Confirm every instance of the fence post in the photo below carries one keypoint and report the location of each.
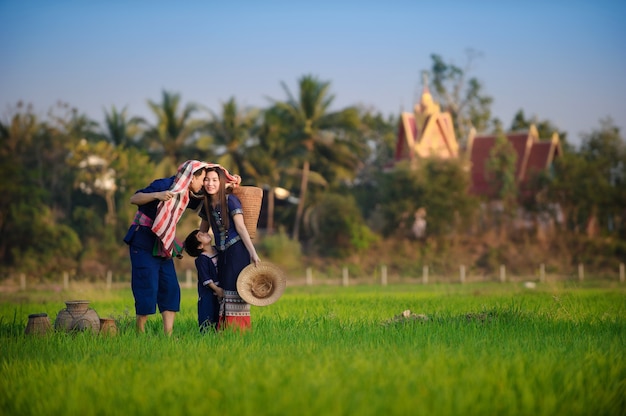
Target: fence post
(309, 276)
(383, 275)
(581, 272)
(462, 273)
(66, 281)
(425, 274)
(345, 276)
(22, 281)
(502, 273)
(109, 279)
(188, 278)
(542, 273)
(621, 273)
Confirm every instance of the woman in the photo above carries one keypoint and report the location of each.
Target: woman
(152, 242)
(224, 214)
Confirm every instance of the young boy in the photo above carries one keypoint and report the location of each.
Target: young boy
(199, 245)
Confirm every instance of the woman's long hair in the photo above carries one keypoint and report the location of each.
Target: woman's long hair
(221, 198)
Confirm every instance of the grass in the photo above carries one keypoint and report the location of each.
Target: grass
(479, 349)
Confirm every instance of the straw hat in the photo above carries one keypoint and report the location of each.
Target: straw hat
(261, 285)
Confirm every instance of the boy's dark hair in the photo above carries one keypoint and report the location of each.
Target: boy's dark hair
(191, 244)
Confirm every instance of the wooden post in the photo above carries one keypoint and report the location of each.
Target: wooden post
(502, 273)
(425, 274)
(66, 281)
(581, 272)
(462, 273)
(309, 276)
(188, 276)
(22, 281)
(383, 275)
(621, 273)
(109, 279)
(542, 273)
(345, 277)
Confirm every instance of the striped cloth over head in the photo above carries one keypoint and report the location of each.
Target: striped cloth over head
(234, 179)
(169, 212)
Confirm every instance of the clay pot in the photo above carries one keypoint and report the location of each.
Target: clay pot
(38, 324)
(108, 327)
(77, 316)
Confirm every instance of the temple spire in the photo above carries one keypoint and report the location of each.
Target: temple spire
(425, 88)
(426, 106)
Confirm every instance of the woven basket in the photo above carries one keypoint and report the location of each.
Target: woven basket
(251, 198)
(38, 324)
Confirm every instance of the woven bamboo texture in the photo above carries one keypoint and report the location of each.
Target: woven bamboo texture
(251, 198)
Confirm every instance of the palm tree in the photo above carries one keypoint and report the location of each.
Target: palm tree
(268, 162)
(233, 130)
(174, 127)
(314, 128)
(119, 129)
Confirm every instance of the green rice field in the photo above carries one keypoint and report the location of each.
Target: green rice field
(472, 349)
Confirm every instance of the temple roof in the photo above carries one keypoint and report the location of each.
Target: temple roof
(427, 132)
(532, 155)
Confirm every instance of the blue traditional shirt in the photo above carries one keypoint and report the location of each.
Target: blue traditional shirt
(224, 238)
(142, 236)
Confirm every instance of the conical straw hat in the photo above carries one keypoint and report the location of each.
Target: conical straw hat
(261, 285)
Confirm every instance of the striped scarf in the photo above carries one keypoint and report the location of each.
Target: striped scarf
(234, 179)
(169, 212)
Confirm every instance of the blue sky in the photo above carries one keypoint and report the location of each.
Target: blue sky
(564, 61)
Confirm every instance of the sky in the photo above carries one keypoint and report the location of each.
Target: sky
(557, 60)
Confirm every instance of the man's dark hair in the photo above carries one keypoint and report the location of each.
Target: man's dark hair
(192, 244)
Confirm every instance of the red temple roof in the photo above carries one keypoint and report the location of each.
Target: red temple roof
(532, 156)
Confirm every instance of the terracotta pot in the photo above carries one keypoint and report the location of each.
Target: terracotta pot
(108, 327)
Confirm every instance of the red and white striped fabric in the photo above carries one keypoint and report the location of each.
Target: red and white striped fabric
(234, 179)
(169, 212)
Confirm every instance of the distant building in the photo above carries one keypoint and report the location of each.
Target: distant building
(427, 132)
(532, 156)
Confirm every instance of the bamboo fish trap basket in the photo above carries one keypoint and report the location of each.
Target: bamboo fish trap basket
(251, 198)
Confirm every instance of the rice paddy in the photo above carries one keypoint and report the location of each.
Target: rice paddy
(452, 349)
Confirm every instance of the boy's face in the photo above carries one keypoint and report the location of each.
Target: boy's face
(204, 238)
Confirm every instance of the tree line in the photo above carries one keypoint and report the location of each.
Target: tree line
(68, 179)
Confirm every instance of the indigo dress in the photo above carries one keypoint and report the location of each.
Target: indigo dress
(233, 256)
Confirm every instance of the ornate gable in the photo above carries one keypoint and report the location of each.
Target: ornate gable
(541, 156)
(427, 132)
